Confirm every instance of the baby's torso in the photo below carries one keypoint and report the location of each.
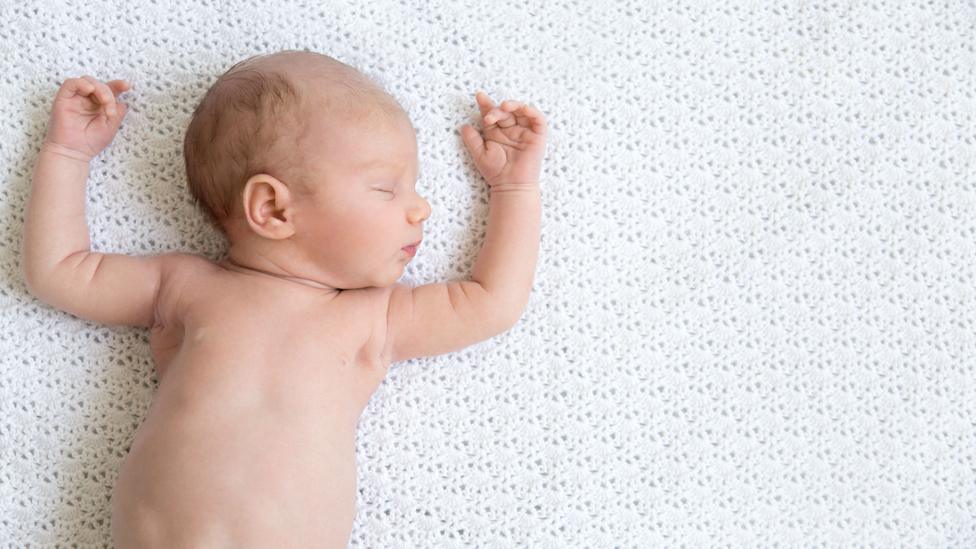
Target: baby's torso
(250, 438)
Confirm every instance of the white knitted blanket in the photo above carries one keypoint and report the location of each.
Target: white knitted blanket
(753, 317)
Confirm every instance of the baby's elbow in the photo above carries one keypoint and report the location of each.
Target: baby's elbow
(510, 319)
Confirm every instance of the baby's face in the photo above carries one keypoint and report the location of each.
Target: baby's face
(365, 208)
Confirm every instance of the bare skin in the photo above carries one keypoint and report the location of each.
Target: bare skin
(266, 359)
(251, 434)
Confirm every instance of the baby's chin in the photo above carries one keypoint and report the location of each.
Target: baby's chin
(394, 276)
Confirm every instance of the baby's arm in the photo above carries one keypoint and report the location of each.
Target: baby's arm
(58, 266)
(439, 318)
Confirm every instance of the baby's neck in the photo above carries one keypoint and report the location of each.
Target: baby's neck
(230, 264)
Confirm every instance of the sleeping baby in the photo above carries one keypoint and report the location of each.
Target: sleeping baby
(266, 359)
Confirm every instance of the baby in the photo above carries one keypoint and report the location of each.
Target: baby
(266, 359)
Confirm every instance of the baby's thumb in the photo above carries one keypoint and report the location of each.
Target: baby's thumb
(472, 140)
(120, 111)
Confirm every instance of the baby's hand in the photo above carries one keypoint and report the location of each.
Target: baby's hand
(513, 144)
(85, 115)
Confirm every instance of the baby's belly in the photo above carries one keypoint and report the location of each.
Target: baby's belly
(217, 468)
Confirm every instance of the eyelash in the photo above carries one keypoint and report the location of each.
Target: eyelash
(385, 191)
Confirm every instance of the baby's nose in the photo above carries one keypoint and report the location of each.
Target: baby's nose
(417, 215)
(423, 211)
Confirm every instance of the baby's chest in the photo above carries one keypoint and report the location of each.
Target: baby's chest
(264, 371)
(213, 322)
(290, 351)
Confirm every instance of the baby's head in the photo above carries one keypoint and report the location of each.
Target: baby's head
(303, 160)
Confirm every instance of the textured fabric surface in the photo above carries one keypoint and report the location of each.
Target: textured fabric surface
(753, 316)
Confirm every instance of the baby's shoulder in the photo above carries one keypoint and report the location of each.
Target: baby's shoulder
(187, 260)
(376, 302)
(182, 267)
(182, 272)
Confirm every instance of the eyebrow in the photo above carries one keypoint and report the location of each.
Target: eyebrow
(366, 166)
(370, 165)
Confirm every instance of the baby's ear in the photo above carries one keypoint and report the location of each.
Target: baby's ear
(268, 207)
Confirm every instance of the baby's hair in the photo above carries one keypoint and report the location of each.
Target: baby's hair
(254, 118)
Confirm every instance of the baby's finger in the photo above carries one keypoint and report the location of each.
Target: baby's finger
(472, 140)
(537, 122)
(75, 86)
(496, 115)
(510, 105)
(485, 104)
(103, 95)
(119, 86)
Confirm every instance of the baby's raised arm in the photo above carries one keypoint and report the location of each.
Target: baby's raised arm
(439, 318)
(58, 266)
